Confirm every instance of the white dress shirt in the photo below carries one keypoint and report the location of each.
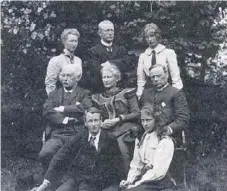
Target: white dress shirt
(96, 141)
(164, 56)
(152, 151)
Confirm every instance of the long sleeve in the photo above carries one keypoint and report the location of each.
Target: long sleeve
(181, 112)
(174, 69)
(136, 165)
(141, 76)
(81, 106)
(162, 159)
(133, 105)
(53, 71)
(52, 116)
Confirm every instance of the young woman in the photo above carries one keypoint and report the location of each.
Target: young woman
(156, 53)
(119, 106)
(151, 159)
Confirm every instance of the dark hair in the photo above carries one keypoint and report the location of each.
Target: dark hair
(93, 110)
(148, 109)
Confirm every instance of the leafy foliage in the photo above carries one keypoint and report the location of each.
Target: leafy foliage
(31, 36)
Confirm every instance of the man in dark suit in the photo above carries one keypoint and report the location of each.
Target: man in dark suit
(95, 158)
(63, 112)
(170, 104)
(104, 51)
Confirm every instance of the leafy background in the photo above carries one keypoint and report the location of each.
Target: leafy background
(196, 30)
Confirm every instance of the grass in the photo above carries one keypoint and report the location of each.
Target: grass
(205, 174)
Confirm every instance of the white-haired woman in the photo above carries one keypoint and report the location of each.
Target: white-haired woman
(69, 38)
(156, 53)
(120, 108)
(152, 157)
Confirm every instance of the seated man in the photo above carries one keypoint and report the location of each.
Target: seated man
(152, 157)
(169, 103)
(63, 111)
(95, 159)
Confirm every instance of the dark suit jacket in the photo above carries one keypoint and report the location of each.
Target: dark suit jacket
(79, 101)
(170, 106)
(103, 167)
(99, 54)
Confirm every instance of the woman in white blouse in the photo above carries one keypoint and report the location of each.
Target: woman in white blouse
(151, 159)
(156, 53)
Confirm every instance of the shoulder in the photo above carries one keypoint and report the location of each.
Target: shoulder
(57, 58)
(167, 51)
(77, 59)
(82, 90)
(129, 92)
(95, 48)
(166, 142)
(172, 90)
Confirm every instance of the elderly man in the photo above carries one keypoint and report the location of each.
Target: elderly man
(95, 159)
(104, 51)
(63, 112)
(69, 38)
(170, 104)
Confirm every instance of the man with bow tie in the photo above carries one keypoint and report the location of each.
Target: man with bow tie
(69, 38)
(95, 158)
(104, 51)
(63, 112)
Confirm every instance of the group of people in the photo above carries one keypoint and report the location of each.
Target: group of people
(112, 137)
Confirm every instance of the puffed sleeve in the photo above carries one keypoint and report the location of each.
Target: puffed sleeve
(53, 71)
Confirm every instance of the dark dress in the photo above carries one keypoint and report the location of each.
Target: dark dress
(121, 102)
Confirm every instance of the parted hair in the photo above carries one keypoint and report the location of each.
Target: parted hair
(66, 32)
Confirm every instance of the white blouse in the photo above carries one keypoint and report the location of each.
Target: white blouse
(164, 56)
(155, 152)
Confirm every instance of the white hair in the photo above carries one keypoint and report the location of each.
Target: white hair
(111, 67)
(104, 23)
(75, 68)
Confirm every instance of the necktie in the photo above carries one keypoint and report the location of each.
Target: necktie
(92, 142)
(71, 58)
(66, 97)
(109, 48)
(153, 60)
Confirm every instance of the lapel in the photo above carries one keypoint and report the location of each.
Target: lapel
(102, 141)
(60, 95)
(74, 94)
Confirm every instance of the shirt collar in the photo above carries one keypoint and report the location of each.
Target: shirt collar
(157, 49)
(162, 88)
(67, 53)
(68, 90)
(106, 44)
(96, 136)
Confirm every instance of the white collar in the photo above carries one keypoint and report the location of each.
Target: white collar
(157, 49)
(67, 53)
(162, 88)
(96, 136)
(106, 44)
(68, 90)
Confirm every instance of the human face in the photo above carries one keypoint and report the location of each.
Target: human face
(93, 122)
(158, 77)
(71, 42)
(151, 39)
(148, 122)
(108, 79)
(107, 33)
(69, 78)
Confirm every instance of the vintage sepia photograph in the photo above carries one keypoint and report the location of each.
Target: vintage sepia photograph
(113, 95)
